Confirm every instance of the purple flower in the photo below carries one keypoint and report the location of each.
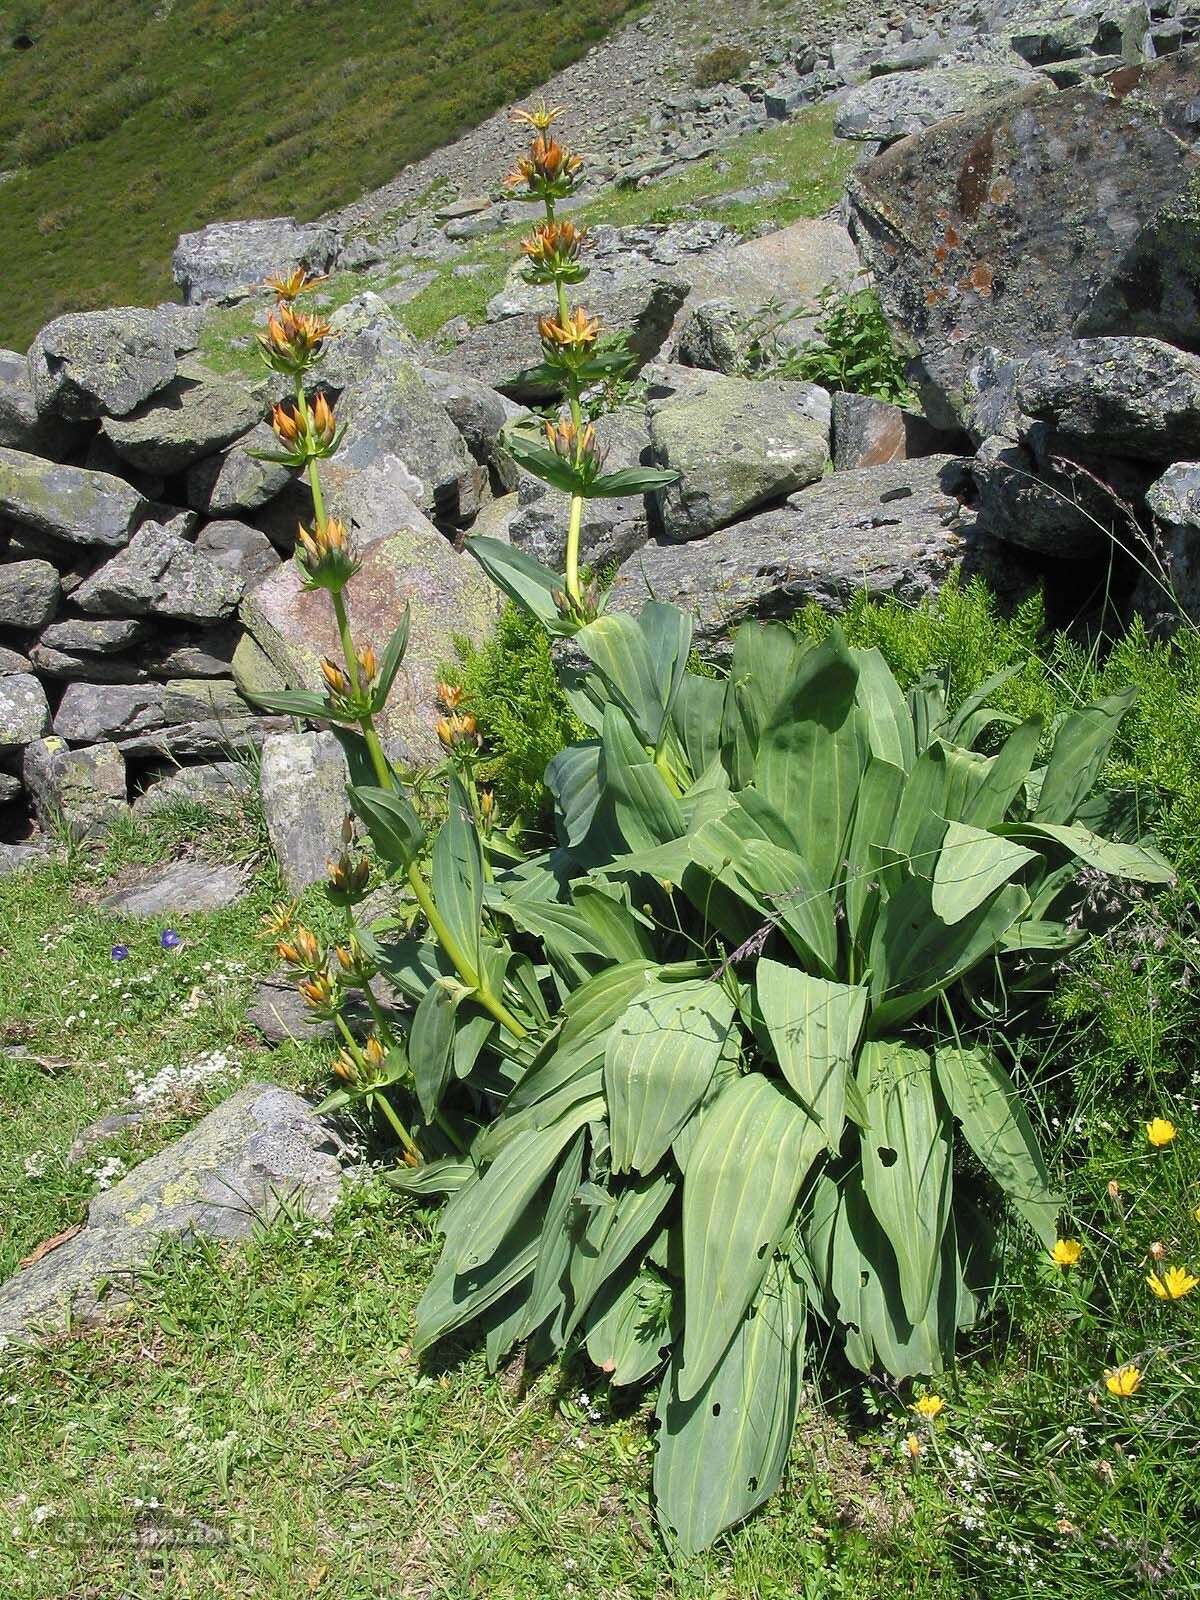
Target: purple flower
(169, 939)
(119, 952)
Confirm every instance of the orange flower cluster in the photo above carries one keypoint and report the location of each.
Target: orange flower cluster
(577, 333)
(292, 339)
(574, 444)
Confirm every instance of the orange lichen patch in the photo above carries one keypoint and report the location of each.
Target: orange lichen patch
(952, 236)
(1001, 190)
(981, 279)
(934, 296)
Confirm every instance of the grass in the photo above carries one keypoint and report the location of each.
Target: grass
(127, 125)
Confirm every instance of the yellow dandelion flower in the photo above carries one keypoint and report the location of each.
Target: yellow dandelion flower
(1160, 1132)
(1066, 1252)
(1172, 1284)
(1123, 1381)
(929, 1406)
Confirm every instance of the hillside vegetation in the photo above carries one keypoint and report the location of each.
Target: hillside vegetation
(123, 123)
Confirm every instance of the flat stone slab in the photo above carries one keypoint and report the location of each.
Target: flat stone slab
(179, 888)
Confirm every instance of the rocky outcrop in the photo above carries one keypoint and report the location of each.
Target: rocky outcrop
(92, 364)
(227, 260)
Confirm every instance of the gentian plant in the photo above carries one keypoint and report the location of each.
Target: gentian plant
(700, 1082)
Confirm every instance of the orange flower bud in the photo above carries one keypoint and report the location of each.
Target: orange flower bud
(323, 422)
(578, 332)
(368, 665)
(286, 424)
(539, 116)
(335, 678)
(449, 695)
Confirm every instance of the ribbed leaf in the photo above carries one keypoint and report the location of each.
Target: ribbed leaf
(660, 1059)
(452, 1298)
(889, 719)
(431, 1042)
(697, 717)
(391, 659)
(814, 1027)
(435, 1177)
(984, 1099)
(523, 579)
(1080, 750)
(812, 753)
(394, 826)
(457, 873)
(1005, 778)
(723, 1451)
(1120, 860)
(870, 834)
(972, 865)
(906, 1164)
(645, 811)
(752, 1152)
(765, 657)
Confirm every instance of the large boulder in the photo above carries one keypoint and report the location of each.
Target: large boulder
(236, 479)
(24, 710)
(68, 502)
(181, 424)
(404, 560)
(304, 801)
(1053, 216)
(91, 364)
(21, 427)
(28, 593)
(612, 528)
(1170, 587)
(899, 529)
(892, 107)
(736, 444)
(1045, 502)
(178, 888)
(1134, 397)
(477, 411)
(89, 712)
(244, 552)
(1046, 32)
(786, 269)
(84, 790)
(226, 260)
(868, 433)
(162, 572)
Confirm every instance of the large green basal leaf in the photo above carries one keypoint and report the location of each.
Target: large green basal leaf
(620, 653)
(984, 1099)
(814, 1027)
(643, 807)
(660, 1059)
(697, 718)
(812, 753)
(722, 1452)
(611, 1236)
(889, 718)
(457, 873)
(972, 865)
(431, 1043)
(523, 579)
(1080, 750)
(753, 1150)
(1005, 778)
(765, 657)
(906, 1164)
(875, 812)
(1118, 859)
(630, 1326)
(453, 1298)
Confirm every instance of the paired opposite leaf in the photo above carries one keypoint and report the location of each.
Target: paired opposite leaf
(659, 1061)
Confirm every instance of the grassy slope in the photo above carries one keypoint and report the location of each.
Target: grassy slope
(132, 122)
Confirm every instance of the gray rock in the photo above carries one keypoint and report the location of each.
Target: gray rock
(893, 107)
(468, 206)
(177, 889)
(209, 737)
(199, 699)
(100, 1131)
(304, 799)
(244, 552)
(736, 444)
(896, 530)
(499, 353)
(980, 232)
(715, 336)
(280, 1014)
(187, 420)
(28, 594)
(162, 572)
(612, 528)
(84, 790)
(78, 666)
(260, 1151)
(93, 636)
(91, 711)
(234, 480)
(1064, 511)
(24, 710)
(1048, 33)
(495, 519)
(404, 559)
(21, 428)
(252, 670)
(12, 661)
(1174, 502)
(479, 413)
(212, 783)
(1134, 397)
(17, 858)
(227, 259)
(68, 502)
(199, 653)
(91, 364)
(10, 788)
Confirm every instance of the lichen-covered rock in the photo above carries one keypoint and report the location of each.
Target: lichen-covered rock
(235, 479)
(75, 1284)
(714, 336)
(1044, 504)
(892, 107)
(91, 364)
(16, 858)
(239, 549)
(404, 559)
(210, 783)
(612, 528)
(24, 710)
(21, 428)
(1050, 216)
(304, 800)
(84, 789)
(736, 444)
(1049, 31)
(1133, 397)
(28, 594)
(68, 502)
(162, 573)
(91, 711)
(228, 259)
(12, 661)
(95, 636)
(1169, 586)
(208, 737)
(181, 424)
(898, 529)
(478, 412)
(178, 889)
